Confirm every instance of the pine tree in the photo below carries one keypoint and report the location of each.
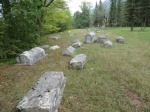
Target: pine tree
(143, 12)
(112, 13)
(131, 12)
(96, 15)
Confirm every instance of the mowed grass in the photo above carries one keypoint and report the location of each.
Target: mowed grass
(114, 79)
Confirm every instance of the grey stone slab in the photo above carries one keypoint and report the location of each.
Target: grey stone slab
(31, 57)
(78, 61)
(90, 38)
(68, 51)
(46, 95)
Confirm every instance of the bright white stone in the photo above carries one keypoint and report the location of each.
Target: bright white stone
(54, 47)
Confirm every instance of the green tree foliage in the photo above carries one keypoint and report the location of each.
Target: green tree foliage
(112, 13)
(99, 14)
(77, 19)
(131, 12)
(82, 20)
(21, 31)
(143, 7)
(58, 17)
(120, 13)
(138, 13)
(23, 20)
(96, 16)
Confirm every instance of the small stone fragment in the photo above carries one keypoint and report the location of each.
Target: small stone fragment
(54, 47)
(55, 37)
(108, 44)
(77, 44)
(120, 39)
(68, 51)
(45, 47)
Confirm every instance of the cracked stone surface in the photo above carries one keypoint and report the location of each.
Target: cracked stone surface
(46, 95)
(90, 38)
(31, 57)
(68, 51)
(78, 61)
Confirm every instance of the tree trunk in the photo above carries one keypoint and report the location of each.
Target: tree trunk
(132, 25)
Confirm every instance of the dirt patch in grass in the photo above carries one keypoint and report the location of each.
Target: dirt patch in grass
(135, 100)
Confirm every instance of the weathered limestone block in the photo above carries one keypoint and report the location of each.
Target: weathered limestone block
(46, 95)
(101, 39)
(90, 38)
(68, 51)
(77, 44)
(120, 39)
(78, 61)
(54, 47)
(45, 47)
(32, 56)
(108, 44)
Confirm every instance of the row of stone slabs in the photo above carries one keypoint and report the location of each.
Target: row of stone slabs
(46, 95)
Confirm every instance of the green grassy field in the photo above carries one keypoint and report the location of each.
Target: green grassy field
(114, 79)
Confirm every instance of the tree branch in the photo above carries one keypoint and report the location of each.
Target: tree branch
(49, 3)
